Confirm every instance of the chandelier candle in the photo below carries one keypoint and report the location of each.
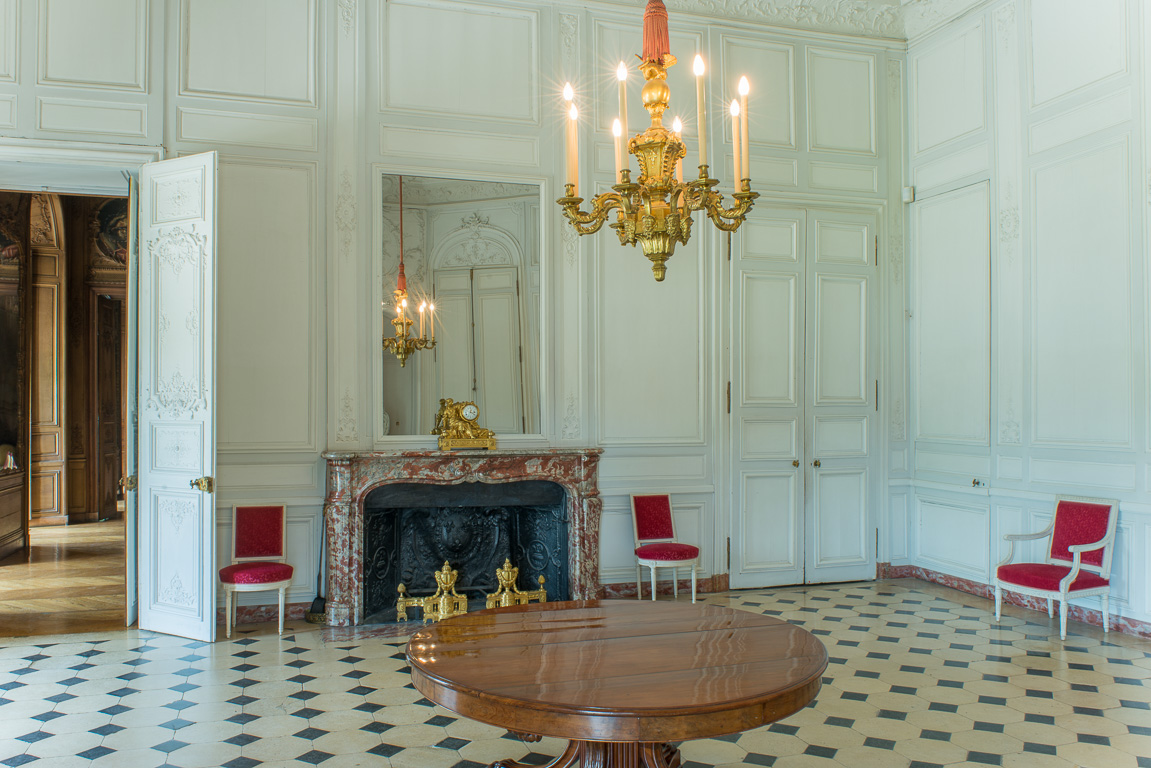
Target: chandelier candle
(621, 73)
(403, 344)
(744, 153)
(655, 210)
(617, 132)
(700, 108)
(736, 144)
(677, 129)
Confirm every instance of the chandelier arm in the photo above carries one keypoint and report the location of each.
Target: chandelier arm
(729, 219)
(590, 222)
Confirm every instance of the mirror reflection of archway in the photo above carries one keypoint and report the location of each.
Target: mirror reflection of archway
(473, 248)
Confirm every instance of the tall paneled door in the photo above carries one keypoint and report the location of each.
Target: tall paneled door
(803, 397)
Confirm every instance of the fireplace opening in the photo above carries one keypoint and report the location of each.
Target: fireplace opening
(411, 529)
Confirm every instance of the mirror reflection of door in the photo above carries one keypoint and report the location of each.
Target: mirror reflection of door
(472, 248)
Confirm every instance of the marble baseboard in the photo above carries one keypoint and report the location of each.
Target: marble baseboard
(252, 614)
(706, 584)
(1077, 612)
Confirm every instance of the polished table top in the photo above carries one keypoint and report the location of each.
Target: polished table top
(618, 670)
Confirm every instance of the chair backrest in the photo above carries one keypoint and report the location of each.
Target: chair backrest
(651, 518)
(1081, 520)
(258, 533)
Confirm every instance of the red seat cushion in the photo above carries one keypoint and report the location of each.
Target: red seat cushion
(259, 572)
(667, 551)
(1047, 576)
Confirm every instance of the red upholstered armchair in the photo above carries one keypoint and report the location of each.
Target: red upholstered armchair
(656, 545)
(257, 558)
(1078, 563)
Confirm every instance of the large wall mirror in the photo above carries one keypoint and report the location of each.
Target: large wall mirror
(473, 248)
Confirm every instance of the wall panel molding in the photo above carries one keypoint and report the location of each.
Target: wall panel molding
(102, 45)
(953, 537)
(9, 40)
(269, 131)
(841, 102)
(99, 118)
(273, 45)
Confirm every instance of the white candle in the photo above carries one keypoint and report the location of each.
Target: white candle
(573, 149)
(570, 138)
(617, 132)
(621, 73)
(701, 108)
(735, 143)
(432, 319)
(423, 306)
(744, 153)
(677, 128)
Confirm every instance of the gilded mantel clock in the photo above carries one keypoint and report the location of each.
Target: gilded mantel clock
(457, 428)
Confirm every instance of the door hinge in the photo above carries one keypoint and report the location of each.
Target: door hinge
(876, 250)
(729, 246)
(729, 554)
(876, 543)
(729, 397)
(877, 395)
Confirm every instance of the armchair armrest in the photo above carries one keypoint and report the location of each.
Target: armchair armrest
(1077, 548)
(1011, 538)
(1026, 536)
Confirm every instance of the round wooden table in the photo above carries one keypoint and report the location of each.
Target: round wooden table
(619, 679)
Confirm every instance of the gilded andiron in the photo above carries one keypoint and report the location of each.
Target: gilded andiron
(655, 211)
(444, 603)
(509, 594)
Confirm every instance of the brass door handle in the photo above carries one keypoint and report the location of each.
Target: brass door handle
(816, 463)
(795, 463)
(128, 483)
(205, 484)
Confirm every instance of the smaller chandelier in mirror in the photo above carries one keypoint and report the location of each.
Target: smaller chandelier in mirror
(402, 344)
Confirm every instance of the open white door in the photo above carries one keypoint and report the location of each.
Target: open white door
(176, 356)
(131, 592)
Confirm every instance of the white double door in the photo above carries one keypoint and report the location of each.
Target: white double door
(803, 398)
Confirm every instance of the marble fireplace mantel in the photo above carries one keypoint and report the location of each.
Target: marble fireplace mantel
(352, 476)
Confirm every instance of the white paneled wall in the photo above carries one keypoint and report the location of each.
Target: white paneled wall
(1029, 293)
(309, 101)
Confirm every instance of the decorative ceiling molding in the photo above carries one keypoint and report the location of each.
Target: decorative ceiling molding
(423, 190)
(870, 18)
(921, 17)
(891, 19)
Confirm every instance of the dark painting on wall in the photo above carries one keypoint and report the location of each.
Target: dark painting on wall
(110, 227)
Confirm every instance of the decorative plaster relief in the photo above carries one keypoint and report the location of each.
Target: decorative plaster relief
(571, 427)
(920, 17)
(1010, 431)
(347, 16)
(177, 248)
(177, 396)
(569, 38)
(180, 198)
(346, 213)
(176, 448)
(872, 18)
(175, 594)
(43, 226)
(176, 510)
(346, 431)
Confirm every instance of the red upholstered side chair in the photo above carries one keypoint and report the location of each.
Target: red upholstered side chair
(656, 545)
(1078, 563)
(258, 535)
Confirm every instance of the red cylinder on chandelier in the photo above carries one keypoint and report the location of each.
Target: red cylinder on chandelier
(656, 40)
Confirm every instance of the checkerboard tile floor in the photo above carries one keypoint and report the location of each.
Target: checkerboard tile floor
(920, 676)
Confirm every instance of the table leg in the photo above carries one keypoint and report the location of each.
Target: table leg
(609, 754)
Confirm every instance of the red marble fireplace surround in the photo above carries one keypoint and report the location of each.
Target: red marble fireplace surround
(351, 476)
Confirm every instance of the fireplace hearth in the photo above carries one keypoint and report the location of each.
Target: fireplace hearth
(504, 503)
(411, 530)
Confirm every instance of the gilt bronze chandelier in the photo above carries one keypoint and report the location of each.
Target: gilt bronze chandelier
(655, 211)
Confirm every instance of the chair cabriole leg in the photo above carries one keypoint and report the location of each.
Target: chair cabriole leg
(675, 581)
(282, 590)
(653, 583)
(1050, 610)
(228, 613)
(693, 566)
(998, 601)
(1063, 618)
(638, 582)
(1106, 614)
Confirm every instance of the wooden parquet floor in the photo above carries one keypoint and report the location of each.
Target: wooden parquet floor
(72, 581)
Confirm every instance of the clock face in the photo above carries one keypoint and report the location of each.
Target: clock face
(470, 411)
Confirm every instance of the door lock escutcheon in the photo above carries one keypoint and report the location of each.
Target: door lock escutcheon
(795, 462)
(205, 484)
(817, 463)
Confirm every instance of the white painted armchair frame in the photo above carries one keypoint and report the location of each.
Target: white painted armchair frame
(1064, 593)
